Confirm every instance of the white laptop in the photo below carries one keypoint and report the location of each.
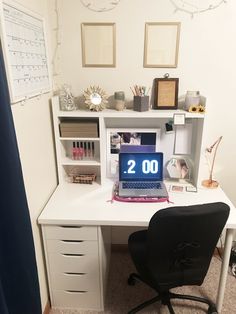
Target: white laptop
(141, 175)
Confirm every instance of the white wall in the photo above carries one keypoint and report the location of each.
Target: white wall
(206, 62)
(35, 141)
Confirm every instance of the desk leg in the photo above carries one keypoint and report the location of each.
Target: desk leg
(224, 268)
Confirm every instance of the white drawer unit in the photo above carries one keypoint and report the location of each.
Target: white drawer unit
(75, 274)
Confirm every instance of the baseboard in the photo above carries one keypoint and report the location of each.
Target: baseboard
(47, 308)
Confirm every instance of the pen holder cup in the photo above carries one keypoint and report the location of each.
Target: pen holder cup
(141, 103)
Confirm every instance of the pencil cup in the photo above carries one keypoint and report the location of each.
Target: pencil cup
(141, 103)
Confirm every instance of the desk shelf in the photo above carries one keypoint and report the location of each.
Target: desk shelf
(112, 119)
(128, 113)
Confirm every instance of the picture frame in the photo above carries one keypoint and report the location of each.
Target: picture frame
(161, 45)
(166, 93)
(98, 41)
(149, 139)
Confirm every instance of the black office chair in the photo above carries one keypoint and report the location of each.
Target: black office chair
(176, 250)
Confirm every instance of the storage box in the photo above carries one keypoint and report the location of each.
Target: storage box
(141, 103)
(79, 128)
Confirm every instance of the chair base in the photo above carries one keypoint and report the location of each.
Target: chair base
(165, 298)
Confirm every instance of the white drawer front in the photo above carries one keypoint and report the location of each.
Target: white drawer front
(70, 232)
(73, 263)
(78, 282)
(76, 299)
(72, 246)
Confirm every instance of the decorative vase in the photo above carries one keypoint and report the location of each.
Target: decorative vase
(66, 99)
(119, 100)
(192, 99)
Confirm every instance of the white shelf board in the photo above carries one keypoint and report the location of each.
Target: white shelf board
(90, 139)
(85, 162)
(128, 113)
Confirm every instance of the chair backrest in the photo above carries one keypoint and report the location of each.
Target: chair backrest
(181, 242)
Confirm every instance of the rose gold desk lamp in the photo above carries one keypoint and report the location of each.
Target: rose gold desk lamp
(210, 183)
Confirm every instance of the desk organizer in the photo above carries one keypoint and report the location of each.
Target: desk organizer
(83, 178)
(141, 103)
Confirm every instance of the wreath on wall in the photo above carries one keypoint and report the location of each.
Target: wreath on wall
(100, 5)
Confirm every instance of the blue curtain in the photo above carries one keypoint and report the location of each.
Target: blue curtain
(19, 287)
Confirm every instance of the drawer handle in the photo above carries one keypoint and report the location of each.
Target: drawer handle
(75, 291)
(71, 241)
(73, 227)
(75, 274)
(67, 254)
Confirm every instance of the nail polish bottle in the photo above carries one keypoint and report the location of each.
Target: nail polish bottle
(93, 152)
(89, 150)
(77, 151)
(85, 149)
(74, 151)
(81, 151)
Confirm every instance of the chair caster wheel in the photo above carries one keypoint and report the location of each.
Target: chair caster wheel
(131, 281)
(212, 310)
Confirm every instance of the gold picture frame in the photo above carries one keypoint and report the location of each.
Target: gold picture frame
(98, 44)
(161, 45)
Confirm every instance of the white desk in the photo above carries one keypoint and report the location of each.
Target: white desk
(91, 206)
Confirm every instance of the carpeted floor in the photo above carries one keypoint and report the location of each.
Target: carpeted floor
(121, 297)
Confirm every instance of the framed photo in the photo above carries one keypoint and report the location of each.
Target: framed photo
(161, 45)
(128, 140)
(98, 44)
(166, 93)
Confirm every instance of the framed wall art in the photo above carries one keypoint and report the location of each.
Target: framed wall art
(166, 93)
(98, 44)
(161, 45)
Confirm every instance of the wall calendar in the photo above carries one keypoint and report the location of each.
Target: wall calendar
(25, 53)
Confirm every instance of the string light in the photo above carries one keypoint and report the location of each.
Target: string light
(189, 7)
(100, 5)
(58, 43)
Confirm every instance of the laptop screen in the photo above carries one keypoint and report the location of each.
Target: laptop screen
(140, 166)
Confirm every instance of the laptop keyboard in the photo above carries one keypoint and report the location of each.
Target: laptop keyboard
(141, 185)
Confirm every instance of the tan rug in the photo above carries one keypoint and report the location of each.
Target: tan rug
(121, 297)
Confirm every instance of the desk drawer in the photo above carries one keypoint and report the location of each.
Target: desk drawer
(76, 299)
(73, 263)
(72, 246)
(75, 281)
(70, 232)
